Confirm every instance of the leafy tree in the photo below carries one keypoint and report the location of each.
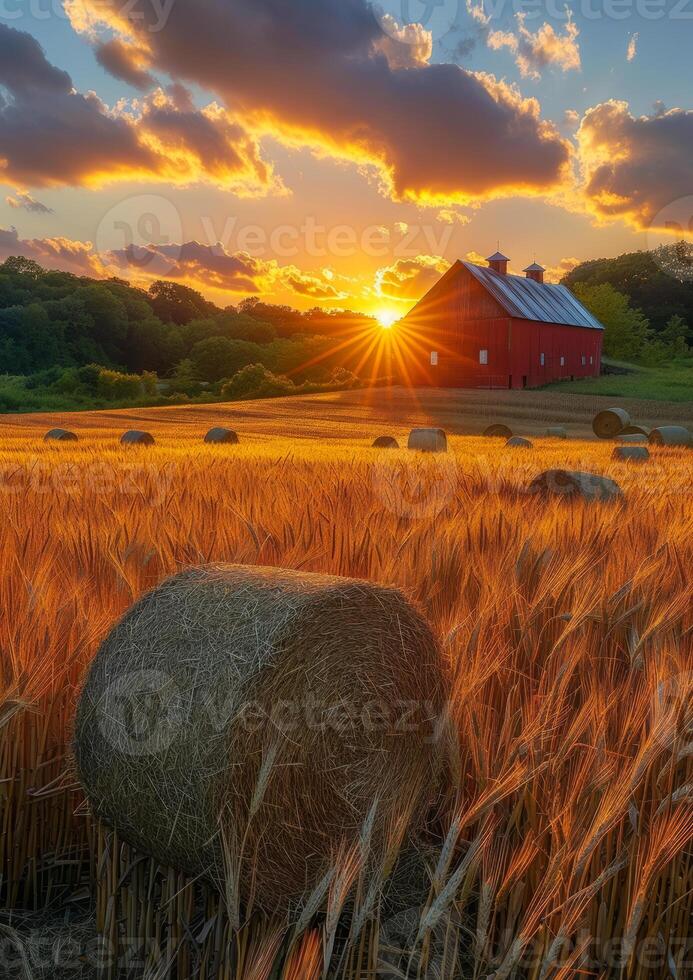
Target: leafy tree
(627, 331)
(175, 303)
(255, 381)
(185, 379)
(675, 335)
(219, 357)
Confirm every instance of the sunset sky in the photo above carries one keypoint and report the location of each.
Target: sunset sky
(336, 153)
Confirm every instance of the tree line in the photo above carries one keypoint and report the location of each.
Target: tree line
(644, 300)
(67, 340)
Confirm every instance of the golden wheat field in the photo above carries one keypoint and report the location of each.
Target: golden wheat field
(564, 845)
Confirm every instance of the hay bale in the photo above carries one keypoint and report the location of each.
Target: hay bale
(385, 442)
(670, 435)
(634, 454)
(231, 664)
(219, 435)
(573, 483)
(428, 440)
(635, 430)
(557, 432)
(134, 437)
(60, 435)
(631, 438)
(498, 431)
(610, 422)
(518, 442)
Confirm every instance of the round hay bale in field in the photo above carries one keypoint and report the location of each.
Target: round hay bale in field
(557, 432)
(635, 430)
(220, 435)
(428, 440)
(670, 435)
(610, 422)
(518, 442)
(573, 483)
(385, 442)
(60, 435)
(267, 706)
(134, 437)
(631, 438)
(498, 431)
(634, 454)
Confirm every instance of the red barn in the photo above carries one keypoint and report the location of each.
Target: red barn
(482, 328)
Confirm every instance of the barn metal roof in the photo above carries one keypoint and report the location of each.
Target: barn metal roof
(531, 300)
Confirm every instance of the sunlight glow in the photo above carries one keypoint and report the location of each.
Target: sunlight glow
(386, 318)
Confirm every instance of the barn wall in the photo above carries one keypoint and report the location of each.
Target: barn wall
(457, 319)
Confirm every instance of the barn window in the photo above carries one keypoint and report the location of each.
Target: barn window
(542, 359)
(591, 361)
(584, 360)
(434, 358)
(562, 361)
(483, 357)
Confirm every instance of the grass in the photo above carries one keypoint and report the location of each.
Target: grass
(668, 382)
(568, 824)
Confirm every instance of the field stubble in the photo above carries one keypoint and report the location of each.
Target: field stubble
(566, 831)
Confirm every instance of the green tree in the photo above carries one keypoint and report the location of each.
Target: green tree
(675, 335)
(219, 357)
(185, 379)
(626, 330)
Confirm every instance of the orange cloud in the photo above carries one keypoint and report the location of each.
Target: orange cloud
(356, 92)
(541, 49)
(635, 166)
(52, 135)
(407, 280)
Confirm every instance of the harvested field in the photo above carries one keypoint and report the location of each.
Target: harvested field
(563, 844)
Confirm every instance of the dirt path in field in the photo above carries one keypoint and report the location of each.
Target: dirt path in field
(366, 413)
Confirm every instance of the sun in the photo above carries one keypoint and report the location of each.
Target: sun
(386, 318)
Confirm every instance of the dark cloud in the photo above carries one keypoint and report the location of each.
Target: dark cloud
(50, 134)
(208, 265)
(28, 203)
(123, 61)
(51, 253)
(634, 166)
(319, 69)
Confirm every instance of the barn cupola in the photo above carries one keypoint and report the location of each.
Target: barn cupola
(499, 263)
(535, 271)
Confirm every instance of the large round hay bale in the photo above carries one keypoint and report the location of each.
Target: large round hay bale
(134, 437)
(428, 440)
(498, 431)
(571, 484)
(557, 432)
(633, 454)
(631, 438)
(670, 435)
(223, 436)
(385, 442)
(518, 442)
(635, 430)
(610, 422)
(60, 435)
(273, 703)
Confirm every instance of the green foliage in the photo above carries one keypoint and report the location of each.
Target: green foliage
(627, 331)
(255, 381)
(659, 284)
(185, 379)
(219, 357)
